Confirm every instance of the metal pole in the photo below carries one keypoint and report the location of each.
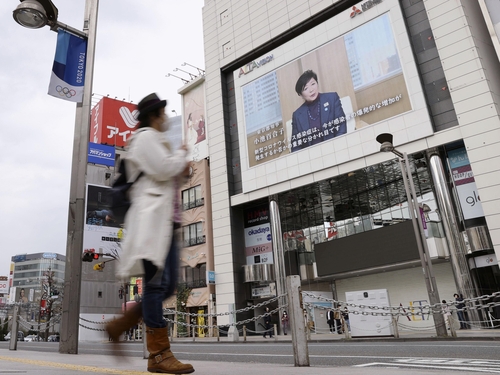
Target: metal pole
(430, 281)
(76, 213)
(297, 326)
(279, 255)
(458, 261)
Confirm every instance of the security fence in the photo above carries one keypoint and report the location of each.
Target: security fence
(489, 305)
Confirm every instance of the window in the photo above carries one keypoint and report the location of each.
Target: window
(194, 277)
(193, 234)
(192, 198)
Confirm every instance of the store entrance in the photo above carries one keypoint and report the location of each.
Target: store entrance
(486, 275)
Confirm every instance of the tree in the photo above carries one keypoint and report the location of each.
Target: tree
(183, 292)
(51, 293)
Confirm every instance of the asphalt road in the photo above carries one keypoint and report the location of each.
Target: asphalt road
(467, 356)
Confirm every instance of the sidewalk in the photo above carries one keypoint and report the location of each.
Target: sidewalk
(43, 363)
(39, 363)
(405, 335)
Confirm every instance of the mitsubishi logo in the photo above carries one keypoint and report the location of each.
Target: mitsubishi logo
(364, 7)
(355, 11)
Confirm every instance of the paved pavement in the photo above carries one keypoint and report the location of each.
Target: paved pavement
(43, 363)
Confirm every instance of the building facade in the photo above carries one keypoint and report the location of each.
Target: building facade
(37, 282)
(426, 72)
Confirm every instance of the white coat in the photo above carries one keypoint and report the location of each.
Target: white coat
(149, 220)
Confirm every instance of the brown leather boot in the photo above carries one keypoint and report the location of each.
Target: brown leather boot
(161, 359)
(130, 319)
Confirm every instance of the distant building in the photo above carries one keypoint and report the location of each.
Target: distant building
(29, 281)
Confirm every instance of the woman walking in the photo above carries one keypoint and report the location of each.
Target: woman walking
(149, 248)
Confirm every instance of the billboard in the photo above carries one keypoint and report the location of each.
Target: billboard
(101, 154)
(317, 101)
(491, 13)
(112, 122)
(4, 286)
(465, 185)
(258, 239)
(102, 231)
(195, 126)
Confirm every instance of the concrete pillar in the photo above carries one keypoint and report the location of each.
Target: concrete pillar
(297, 326)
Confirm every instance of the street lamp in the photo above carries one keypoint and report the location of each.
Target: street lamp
(386, 145)
(36, 14)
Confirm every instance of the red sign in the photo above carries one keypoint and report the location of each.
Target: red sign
(112, 122)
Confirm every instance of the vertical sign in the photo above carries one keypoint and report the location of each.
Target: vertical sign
(258, 240)
(463, 178)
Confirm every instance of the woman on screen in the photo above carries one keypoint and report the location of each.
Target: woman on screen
(319, 118)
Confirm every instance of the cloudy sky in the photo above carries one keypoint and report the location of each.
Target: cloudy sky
(138, 44)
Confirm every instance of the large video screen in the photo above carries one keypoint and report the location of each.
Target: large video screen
(354, 81)
(327, 95)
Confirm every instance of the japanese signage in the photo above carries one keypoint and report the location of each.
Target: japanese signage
(465, 184)
(112, 122)
(264, 291)
(102, 231)
(101, 154)
(305, 103)
(258, 239)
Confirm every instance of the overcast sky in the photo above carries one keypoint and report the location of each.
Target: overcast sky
(137, 45)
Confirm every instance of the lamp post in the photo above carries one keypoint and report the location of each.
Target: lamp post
(386, 145)
(36, 14)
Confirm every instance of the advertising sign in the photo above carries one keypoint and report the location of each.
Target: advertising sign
(195, 126)
(465, 184)
(101, 154)
(324, 95)
(12, 295)
(4, 287)
(210, 277)
(491, 13)
(258, 239)
(68, 70)
(264, 291)
(306, 102)
(112, 122)
(102, 232)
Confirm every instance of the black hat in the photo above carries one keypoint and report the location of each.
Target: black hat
(149, 104)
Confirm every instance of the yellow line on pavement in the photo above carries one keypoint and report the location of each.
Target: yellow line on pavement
(73, 367)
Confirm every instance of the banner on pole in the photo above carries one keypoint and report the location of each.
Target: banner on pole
(68, 71)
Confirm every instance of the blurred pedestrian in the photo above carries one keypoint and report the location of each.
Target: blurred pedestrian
(446, 313)
(330, 321)
(267, 324)
(284, 322)
(337, 317)
(345, 318)
(149, 248)
(459, 302)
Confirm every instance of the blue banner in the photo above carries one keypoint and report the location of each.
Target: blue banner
(101, 154)
(68, 71)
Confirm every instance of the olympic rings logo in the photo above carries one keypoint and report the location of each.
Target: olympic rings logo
(64, 91)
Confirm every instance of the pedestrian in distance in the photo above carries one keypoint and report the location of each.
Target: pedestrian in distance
(267, 324)
(330, 320)
(446, 313)
(459, 302)
(284, 322)
(345, 318)
(149, 249)
(337, 317)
